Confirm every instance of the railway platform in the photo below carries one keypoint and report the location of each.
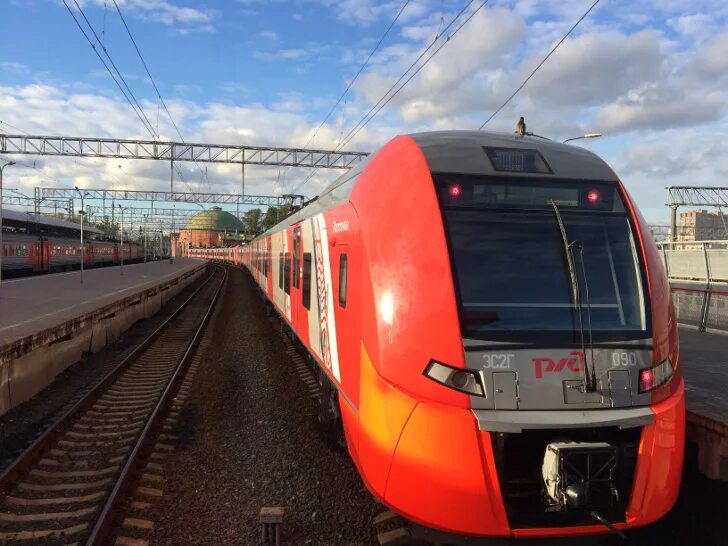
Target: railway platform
(48, 322)
(705, 368)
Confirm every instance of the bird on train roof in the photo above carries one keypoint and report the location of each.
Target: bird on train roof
(521, 127)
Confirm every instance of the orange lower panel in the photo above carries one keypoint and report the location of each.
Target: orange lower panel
(430, 463)
(659, 467)
(439, 478)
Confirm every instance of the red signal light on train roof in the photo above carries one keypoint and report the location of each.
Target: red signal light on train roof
(455, 190)
(593, 196)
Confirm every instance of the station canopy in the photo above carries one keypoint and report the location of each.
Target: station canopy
(30, 222)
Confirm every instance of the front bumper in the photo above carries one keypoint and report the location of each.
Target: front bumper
(439, 469)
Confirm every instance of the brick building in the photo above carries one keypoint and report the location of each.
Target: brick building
(701, 225)
(209, 228)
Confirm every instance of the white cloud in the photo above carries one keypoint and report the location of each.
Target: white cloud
(166, 13)
(661, 108)
(13, 67)
(290, 54)
(711, 61)
(268, 35)
(594, 68)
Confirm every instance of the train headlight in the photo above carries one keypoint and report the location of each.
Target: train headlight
(467, 381)
(651, 378)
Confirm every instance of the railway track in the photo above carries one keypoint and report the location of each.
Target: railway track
(66, 487)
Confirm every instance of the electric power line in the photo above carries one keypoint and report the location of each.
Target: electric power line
(154, 84)
(146, 68)
(367, 118)
(353, 133)
(147, 124)
(351, 83)
(88, 39)
(539, 65)
(361, 69)
(113, 64)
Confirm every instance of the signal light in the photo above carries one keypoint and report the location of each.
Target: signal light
(593, 196)
(455, 190)
(651, 378)
(467, 381)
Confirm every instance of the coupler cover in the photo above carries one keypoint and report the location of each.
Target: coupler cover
(580, 475)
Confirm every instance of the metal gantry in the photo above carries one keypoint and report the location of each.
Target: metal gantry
(179, 197)
(177, 151)
(695, 196)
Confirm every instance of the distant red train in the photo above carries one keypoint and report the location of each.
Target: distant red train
(27, 254)
(495, 328)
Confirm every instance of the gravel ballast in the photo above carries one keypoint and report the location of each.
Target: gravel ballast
(249, 439)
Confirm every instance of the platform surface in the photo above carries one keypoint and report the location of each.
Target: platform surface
(704, 357)
(32, 304)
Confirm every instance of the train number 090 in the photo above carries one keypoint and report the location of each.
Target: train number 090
(624, 359)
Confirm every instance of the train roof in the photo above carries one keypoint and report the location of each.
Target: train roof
(464, 152)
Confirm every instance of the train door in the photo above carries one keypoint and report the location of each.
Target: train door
(346, 287)
(299, 318)
(88, 257)
(45, 255)
(34, 256)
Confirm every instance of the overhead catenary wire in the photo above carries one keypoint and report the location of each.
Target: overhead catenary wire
(130, 97)
(356, 130)
(146, 68)
(546, 58)
(154, 83)
(361, 69)
(353, 80)
(141, 116)
(386, 98)
(113, 64)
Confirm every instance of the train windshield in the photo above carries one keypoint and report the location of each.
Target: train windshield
(509, 262)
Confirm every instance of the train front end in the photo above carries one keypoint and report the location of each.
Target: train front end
(544, 397)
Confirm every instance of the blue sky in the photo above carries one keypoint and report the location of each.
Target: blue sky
(651, 76)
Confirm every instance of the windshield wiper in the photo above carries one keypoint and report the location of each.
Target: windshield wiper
(589, 380)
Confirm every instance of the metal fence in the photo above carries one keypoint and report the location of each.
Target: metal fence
(698, 273)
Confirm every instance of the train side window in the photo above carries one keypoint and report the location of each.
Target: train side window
(343, 267)
(306, 296)
(296, 257)
(280, 270)
(287, 274)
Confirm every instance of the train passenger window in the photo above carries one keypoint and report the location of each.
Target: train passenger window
(342, 279)
(287, 273)
(306, 296)
(280, 270)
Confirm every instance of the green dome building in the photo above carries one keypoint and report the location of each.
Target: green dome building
(211, 228)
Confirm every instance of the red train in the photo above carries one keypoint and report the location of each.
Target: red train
(27, 254)
(496, 328)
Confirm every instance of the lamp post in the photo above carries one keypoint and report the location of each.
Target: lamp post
(144, 235)
(121, 250)
(588, 135)
(2, 248)
(161, 250)
(82, 212)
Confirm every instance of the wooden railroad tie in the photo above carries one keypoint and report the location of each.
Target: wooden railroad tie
(271, 518)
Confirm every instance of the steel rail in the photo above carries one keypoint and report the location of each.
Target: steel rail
(103, 522)
(22, 462)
